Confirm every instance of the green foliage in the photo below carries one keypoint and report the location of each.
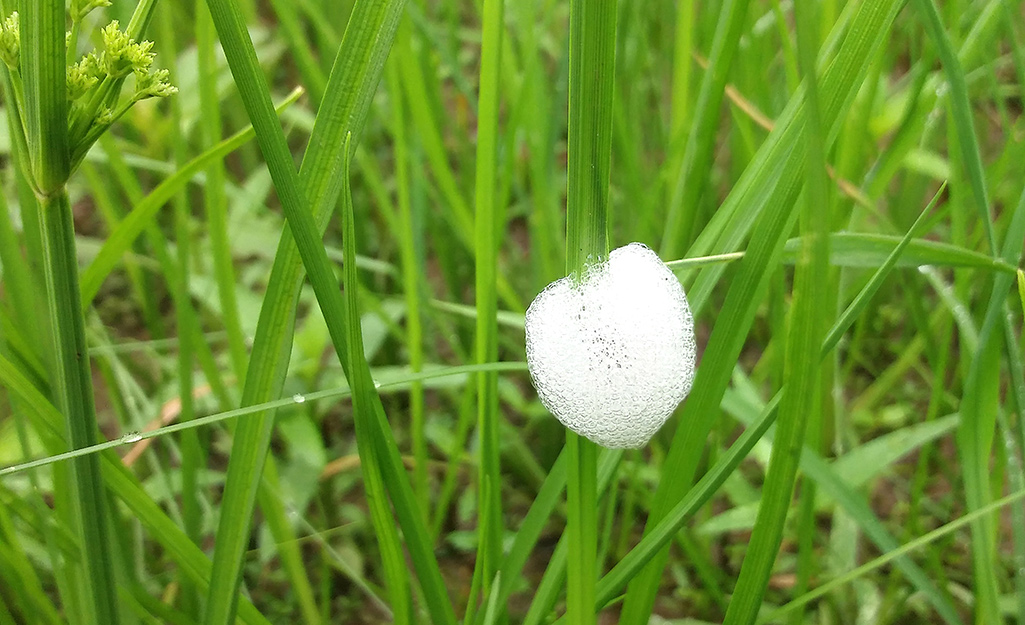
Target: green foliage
(282, 380)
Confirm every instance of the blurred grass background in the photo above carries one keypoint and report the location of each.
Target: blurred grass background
(914, 421)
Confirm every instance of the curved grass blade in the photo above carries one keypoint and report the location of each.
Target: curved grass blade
(697, 156)
(9, 375)
(364, 396)
(981, 389)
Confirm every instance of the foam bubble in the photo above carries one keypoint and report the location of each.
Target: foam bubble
(613, 355)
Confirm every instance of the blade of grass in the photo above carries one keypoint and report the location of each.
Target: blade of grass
(692, 177)
(364, 395)
(858, 249)
(979, 404)
(253, 436)
(592, 63)
(487, 225)
(551, 582)
(10, 376)
(214, 200)
(981, 389)
(412, 277)
(801, 401)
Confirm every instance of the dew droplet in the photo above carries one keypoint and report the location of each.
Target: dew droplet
(299, 398)
(377, 384)
(131, 437)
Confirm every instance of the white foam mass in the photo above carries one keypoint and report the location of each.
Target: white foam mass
(613, 355)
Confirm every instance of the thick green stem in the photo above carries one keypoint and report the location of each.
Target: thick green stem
(591, 83)
(581, 525)
(73, 385)
(45, 109)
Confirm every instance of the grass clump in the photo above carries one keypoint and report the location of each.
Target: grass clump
(265, 354)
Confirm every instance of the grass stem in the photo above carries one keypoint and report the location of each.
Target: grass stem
(591, 91)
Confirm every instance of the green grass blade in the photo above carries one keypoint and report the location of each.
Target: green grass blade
(551, 582)
(978, 411)
(981, 390)
(592, 54)
(359, 61)
(364, 397)
(961, 110)
(214, 200)
(253, 435)
(692, 177)
(9, 374)
(856, 249)
(802, 400)
(487, 229)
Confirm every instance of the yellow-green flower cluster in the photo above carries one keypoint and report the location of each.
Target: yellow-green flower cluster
(96, 80)
(121, 55)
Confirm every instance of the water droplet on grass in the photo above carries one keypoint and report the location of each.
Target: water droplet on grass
(299, 398)
(131, 437)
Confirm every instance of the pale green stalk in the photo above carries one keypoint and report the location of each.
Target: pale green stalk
(487, 227)
(591, 84)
